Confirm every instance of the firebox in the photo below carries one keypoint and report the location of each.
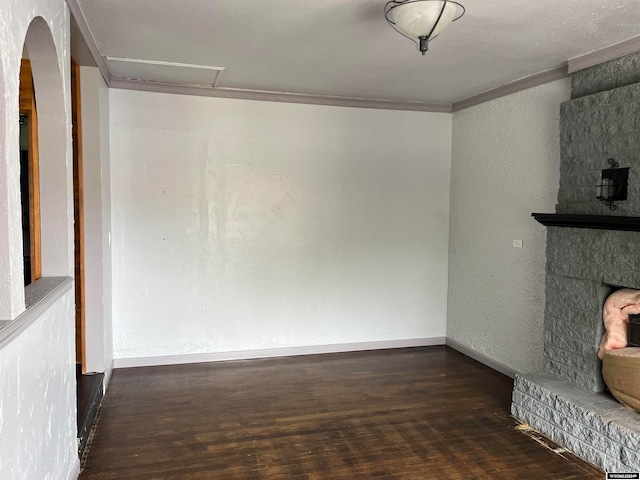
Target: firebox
(634, 330)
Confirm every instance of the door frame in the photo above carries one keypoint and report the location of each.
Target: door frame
(78, 214)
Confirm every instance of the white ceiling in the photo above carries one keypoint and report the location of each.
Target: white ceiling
(345, 48)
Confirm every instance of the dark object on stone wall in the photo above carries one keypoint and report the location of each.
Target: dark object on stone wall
(612, 187)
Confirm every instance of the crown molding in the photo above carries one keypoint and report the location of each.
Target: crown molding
(85, 31)
(283, 97)
(541, 78)
(562, 71)
(604, 55)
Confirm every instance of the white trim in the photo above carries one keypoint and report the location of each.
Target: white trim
(531, 81)
(48, 291)
(604, 55)
(282, 97)
(75, 471)
(85, 31)
(274, 352)
(107, 377)
(561, 71)
(479, 357)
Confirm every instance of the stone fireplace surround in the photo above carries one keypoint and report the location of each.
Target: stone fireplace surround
(567, 402)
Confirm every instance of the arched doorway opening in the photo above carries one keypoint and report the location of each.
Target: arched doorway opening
(29, 175)
(54, 183)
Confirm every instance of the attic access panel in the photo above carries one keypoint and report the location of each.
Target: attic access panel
(164, 72)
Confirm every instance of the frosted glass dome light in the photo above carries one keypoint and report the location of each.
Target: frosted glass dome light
(422, 20)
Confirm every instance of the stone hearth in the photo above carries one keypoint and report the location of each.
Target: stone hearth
(568, 402)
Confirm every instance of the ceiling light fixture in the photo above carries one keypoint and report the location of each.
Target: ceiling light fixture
(422, 20)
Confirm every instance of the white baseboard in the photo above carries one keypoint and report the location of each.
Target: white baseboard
(274, 352)
(107, 376)
(489, 362)
(311, 350)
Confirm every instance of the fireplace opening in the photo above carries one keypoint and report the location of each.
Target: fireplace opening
(618, 349)
(620, 308)
(634, 330)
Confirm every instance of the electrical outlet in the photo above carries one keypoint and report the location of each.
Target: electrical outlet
(517, 243)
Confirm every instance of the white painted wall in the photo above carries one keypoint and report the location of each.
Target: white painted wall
(107, 262)
(37, 371)
(46, 22)
(505, 166)
(241, 225)
(37, 391)
(97, 219)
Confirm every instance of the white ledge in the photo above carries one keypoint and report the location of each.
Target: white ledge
(39, 297)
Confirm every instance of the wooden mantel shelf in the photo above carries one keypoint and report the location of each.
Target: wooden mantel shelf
(602, 222)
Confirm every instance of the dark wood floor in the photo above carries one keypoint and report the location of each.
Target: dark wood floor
(420, 413)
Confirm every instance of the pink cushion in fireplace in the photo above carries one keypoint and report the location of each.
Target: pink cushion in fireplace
(615, 315)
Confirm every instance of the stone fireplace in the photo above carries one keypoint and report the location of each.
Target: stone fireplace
(568, 402)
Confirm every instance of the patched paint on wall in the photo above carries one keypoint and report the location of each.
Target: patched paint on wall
(38, 389)
(505, 166)
(242, 225)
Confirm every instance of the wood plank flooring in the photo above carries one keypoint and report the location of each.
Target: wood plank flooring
(418, 413)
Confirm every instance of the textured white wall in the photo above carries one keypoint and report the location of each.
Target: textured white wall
(505, 165)
(97, 219)
(107, 264)
(37, 369)
(242, 225)
(14, 22)
(48, 45)
(37, 399)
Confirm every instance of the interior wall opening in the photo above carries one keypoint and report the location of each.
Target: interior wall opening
(29, 175)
